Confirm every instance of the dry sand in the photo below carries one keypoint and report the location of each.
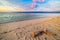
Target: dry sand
(21, 30)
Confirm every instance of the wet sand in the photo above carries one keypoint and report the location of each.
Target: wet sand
(21, 30)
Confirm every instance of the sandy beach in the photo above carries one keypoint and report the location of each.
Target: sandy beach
(21, 30)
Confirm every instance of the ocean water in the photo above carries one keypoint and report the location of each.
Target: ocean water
(9, 17)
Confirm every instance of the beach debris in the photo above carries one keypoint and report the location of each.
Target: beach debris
(35, 34)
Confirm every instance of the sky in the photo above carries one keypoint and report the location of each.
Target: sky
(25, 5)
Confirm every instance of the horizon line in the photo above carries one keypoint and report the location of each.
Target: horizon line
(37, 12)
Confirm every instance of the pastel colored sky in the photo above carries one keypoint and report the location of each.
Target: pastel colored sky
(25, 5)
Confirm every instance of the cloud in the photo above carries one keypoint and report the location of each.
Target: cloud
(53, 5)
(7, 6)
(9, 9)
(6, 3)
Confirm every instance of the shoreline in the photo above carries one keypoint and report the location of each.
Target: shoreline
(13, 30)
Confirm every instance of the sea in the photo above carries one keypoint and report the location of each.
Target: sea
(6, 17)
